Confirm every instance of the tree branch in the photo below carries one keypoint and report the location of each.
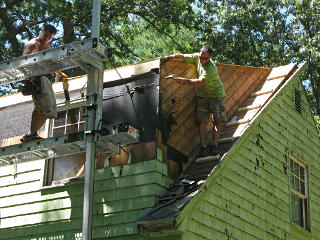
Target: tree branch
(13, 3)
(156, 28)
(123, 44)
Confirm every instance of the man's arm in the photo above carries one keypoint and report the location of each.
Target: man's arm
(181, 80)
(61, 74)
(193, 82)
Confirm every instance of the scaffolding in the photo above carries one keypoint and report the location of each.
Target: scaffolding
(88, 52)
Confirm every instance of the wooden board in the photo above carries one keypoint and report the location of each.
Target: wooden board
(133, 153)
(16, 140)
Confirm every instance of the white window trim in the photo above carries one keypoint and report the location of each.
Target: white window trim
(305, 197)
(77, 103)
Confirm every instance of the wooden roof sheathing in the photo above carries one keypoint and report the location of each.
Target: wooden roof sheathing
(178, 102)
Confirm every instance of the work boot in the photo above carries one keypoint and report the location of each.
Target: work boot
(214, 151)
(206, 155)
(30, 137)
(204, 151)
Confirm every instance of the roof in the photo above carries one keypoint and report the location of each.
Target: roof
(241, 115)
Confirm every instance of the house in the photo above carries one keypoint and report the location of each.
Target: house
(265, 186)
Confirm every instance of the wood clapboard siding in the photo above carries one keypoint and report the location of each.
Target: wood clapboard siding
(248, 197)
(121, 195)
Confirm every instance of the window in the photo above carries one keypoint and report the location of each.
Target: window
(299, 192)
(62, 170)
(67, 121)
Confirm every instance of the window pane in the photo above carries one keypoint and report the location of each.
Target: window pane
(58, 131)
(69, 166)
(73, 115)
(60, 119)
(81, 127)
(72, 128)
(296, 184)
(295, 168)
(301, 173)
(296, 210)
(302, 188)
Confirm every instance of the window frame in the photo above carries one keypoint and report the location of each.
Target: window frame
(305, 198)
(78, 103)
(49, 163)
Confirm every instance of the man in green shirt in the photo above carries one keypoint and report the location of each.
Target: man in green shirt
(210, 97)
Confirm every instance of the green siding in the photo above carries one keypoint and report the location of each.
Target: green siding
(121, 195)
(247, 197)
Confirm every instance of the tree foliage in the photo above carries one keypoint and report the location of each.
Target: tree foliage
(128, 26)
(121, 22)
(307, 27)
(248, 32)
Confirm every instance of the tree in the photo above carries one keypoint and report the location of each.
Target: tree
(247, 32)
(148, 44)
(121, 22)
(307, 27)
(126, 24)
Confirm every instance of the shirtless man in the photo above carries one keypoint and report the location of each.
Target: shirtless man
(44, 101)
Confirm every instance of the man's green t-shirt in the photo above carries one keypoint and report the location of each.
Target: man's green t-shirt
(214, 87)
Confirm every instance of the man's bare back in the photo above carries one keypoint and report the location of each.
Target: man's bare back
(39, 43)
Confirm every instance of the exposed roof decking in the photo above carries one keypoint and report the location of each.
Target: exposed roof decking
(178, 101)
(257, 99)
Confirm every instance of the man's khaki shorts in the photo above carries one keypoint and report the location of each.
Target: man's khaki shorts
(45, 101)
(210, 107)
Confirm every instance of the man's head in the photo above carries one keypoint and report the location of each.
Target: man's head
(205, 54)
(47, 33)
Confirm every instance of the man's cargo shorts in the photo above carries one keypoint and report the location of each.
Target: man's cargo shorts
(210, 107)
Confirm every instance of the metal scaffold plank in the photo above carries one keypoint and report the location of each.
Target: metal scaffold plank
(114, 135)
(86, 52)
(43, 148)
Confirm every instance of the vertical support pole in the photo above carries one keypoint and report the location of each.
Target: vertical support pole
(94, 98)
(94, 115)
(96, 12)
